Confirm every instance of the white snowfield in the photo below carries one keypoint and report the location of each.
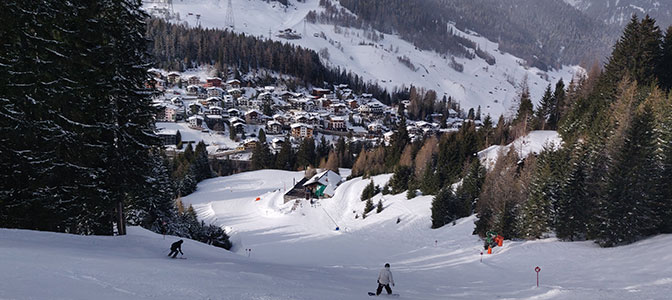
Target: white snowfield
(299, 255)
(493, 87)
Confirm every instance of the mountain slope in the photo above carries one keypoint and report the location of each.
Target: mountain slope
(618, 12)
(391, 61)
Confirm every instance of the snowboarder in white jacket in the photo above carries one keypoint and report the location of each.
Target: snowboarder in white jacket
(384, 280)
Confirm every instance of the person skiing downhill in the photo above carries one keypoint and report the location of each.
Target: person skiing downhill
(175, 247)
(384, 280)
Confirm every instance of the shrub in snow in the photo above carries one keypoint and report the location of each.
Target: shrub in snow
(412, 193)
(368, 207)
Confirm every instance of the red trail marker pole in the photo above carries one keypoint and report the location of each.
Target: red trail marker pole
(537, 269)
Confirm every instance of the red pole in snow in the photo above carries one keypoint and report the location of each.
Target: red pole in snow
(537, 269)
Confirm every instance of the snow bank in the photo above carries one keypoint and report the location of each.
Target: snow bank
(533, 142)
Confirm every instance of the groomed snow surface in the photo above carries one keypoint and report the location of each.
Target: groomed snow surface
(296, 253)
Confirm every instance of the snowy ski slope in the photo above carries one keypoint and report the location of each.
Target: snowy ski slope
(492, 87)
(298, 254)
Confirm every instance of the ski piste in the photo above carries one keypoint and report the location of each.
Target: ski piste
(384, 294)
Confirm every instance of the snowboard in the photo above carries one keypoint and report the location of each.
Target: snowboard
(384, 294)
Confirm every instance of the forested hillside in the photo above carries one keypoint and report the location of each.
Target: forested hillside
(546, 33)
(77, 143)
(618, 12)
(610, 180)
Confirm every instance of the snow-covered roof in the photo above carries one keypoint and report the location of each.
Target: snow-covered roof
(325, 178)
(358, 129)
(167, 132)
(236, 119)
(296, 125)
(269, 123)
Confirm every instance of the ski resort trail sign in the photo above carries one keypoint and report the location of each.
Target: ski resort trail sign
(537, 269)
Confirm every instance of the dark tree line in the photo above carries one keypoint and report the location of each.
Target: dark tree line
(77, 149)
(310, 154)
(76, 121)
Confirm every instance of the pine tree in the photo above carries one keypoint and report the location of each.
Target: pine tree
(379, 207)
(472, 183)
(536, 213)
(411, 193)
(155, 203)
(284, 159)
(429, 185)
(525, 110)
(368, 206)
(543, 112)
(306, 154)
(574, 209)
(665, 65)
(368, 192)
(632, 188)
(636, 53)
(662, 109)
(262, 135)
(74, 96)
(401, 178)
(201, 164)
(508, 220)
(397, 144)
(555, 113)
(447, 207)
(323, 149)
(261, 156)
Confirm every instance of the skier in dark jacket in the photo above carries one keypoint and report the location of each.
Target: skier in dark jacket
(175, 247)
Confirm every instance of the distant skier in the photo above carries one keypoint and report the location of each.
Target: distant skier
(384, 280)
(175, 247)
